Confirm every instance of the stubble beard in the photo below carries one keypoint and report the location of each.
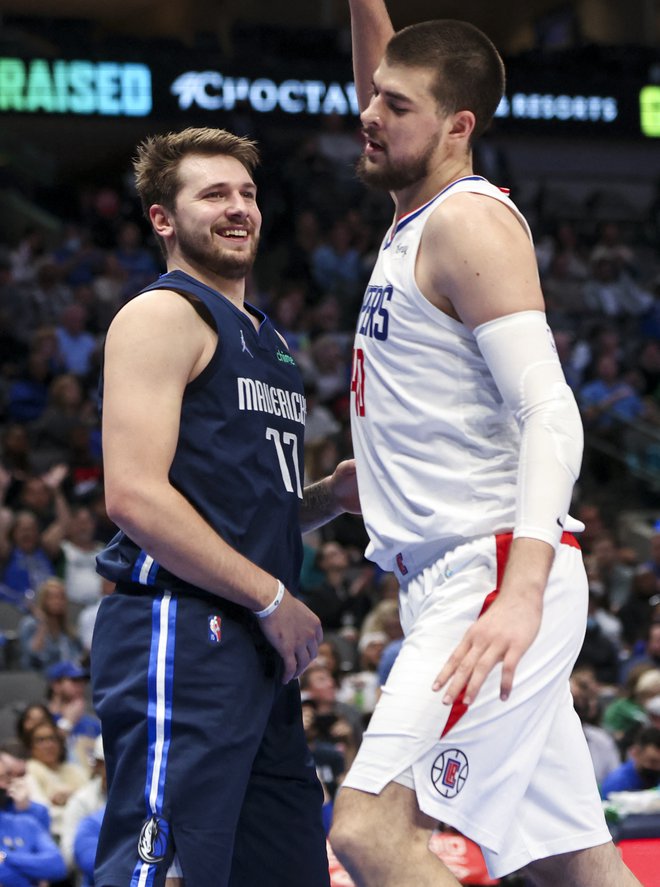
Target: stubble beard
(217, 260)
(396, 178)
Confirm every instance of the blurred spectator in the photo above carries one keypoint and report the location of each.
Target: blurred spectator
(611, 291)
(46, 637)
(139, 263)
(27, 257)
(653, 563)
(385, 618)
(27, 394)
(624, 715)
(25, 563)
(34, 713)
(77, 258)
(598, 649)
(609, 397)
(609, 568)
(85, 844)
(319, 422)
(602, 747)
(67, 703)
(609, 244)
(18, 795)
(649, 655)
(362, 688)
(15, 460)
(342, 600)
(637, 613)
(88, 799)
(334, 722)
(328, 759)
(29, 856)
(336, 264)
(87, 619)
(642, 769)
(76, 344)
(388, 659)
(52, 779)
(48, 295)
(51, 432)
(79, 548)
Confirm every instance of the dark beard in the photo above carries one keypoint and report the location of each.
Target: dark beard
(390, 179)
(222, 263)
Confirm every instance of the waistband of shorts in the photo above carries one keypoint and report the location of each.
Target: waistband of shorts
(409, 564)
(229, 608)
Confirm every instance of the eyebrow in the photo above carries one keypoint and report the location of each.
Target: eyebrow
(392, 94)
(248, 184)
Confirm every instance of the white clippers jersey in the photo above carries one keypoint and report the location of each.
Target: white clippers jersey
(436, 448)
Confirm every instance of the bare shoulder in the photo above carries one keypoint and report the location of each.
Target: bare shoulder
(469, 218)
(478, 256)
(161, 327)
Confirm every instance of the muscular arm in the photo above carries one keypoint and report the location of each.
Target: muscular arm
(155, 346)
(371, 30)
(330, 497)
(492, 285)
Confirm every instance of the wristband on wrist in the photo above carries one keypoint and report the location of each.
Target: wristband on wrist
(261, 614)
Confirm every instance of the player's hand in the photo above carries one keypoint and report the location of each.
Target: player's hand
(502, 634)
(295, 632)
(343, 483)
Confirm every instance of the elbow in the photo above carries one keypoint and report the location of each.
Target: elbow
(122, 505)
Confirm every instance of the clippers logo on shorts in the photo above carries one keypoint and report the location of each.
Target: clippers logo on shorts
(449, 772)
(215, 629)
(152, 843)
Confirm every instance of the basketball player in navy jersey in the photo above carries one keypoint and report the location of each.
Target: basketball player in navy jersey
(194, 654)
(467, 443)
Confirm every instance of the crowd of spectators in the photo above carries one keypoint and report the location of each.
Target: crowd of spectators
(58, 294)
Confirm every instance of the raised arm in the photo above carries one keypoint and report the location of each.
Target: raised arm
(371, 31)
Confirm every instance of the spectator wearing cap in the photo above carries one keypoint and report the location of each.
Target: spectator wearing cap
(28, 854)
(45, 636)
(51, 778)
(68, 705)
(642, 769)
(84, 802)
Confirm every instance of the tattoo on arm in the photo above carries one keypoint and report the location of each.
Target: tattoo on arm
(317, 506)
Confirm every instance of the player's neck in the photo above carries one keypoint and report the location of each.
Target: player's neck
(438, 178)
(231, 288)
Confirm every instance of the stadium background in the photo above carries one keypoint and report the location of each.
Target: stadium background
(577, 141)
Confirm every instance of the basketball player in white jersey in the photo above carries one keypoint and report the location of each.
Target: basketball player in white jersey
(468, 442)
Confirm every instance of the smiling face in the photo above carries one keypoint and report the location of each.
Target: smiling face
(403, 127)
(215, 223)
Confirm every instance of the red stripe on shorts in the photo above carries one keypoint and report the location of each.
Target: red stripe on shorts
(503, 544)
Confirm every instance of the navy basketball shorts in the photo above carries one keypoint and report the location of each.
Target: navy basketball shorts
(204, 747)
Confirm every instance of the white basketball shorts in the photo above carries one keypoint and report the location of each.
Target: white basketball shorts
(514, 776)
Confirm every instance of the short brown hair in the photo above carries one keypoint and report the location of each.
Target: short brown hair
(469, 69)
(156, 164)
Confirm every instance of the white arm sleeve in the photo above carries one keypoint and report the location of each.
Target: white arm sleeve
(521, 356)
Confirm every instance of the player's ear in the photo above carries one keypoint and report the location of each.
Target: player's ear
(462, 125)
(161, 220)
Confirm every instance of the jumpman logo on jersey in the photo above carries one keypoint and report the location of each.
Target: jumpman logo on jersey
(245, 347)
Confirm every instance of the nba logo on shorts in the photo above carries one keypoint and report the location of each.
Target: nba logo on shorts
(215, 629)
(449, 772)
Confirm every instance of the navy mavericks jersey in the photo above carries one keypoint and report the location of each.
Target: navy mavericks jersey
(239, 457)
